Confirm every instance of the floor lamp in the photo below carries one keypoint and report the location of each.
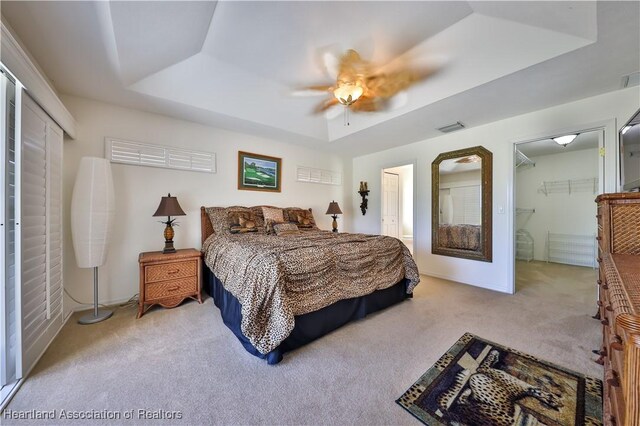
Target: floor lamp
(92, 215)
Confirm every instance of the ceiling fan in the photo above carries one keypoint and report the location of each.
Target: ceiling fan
(361, 86)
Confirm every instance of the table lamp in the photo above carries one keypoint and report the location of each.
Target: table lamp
(169, 206)
(334, 211)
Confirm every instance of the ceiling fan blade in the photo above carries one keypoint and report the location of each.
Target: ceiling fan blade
(313, 91)
(366, 104)
(352, 67)
(388, 85)
(324, 106)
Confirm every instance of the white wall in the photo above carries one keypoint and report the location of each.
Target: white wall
(138, 189)
(558, 213)
(498, 137)
(405, 182)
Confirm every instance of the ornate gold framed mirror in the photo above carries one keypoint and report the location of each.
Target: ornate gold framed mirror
(461, 193)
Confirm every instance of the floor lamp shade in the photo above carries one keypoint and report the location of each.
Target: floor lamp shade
(92, 212)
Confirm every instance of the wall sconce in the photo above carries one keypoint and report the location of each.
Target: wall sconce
(364, 191)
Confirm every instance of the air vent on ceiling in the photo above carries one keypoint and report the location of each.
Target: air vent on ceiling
(452, 127)
(631, 80)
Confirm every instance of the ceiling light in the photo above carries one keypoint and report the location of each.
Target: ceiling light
(470, 159)
(625, 129)
(564, 140)
(348, 93)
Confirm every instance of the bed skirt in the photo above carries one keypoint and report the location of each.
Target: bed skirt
(308, 327)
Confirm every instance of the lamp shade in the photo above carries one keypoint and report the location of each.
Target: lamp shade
(169, 206)
(334, 208)
(92, 212)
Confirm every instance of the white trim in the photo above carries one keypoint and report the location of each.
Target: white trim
(444, 277)
(413, 162)
(4, 317)
(16, 59)
(611, 162)
(18, 230)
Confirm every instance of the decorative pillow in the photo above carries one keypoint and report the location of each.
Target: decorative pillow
(242, 221)
(219, 218)
(269, 224)
(272, 213)
(301, 217)
(272, 216)
(285, 228)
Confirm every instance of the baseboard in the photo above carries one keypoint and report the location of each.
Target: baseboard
(88, 306)
(25, 376)
(444, 277)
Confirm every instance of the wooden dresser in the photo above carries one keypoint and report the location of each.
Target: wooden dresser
(619, 305)
(168, 279)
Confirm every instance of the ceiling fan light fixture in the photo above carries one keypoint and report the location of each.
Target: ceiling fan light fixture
(348, 93)
(565, 140)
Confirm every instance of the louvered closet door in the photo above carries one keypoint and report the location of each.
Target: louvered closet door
(41, 231)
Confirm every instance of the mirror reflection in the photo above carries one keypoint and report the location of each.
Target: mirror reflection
(460, 203)
(461, 191)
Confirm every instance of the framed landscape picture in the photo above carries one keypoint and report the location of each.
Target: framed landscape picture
(258, 172)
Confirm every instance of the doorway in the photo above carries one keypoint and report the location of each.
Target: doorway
(556, 182)
(398, 203)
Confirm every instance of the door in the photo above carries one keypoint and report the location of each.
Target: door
(10, 341)
(390, 205)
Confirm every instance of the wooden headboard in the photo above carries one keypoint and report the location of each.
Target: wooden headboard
(206, 228)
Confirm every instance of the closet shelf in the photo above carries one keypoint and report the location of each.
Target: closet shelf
(522, 160)
(524, 245)
(569, 186)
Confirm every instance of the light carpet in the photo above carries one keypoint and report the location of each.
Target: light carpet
(185, 359)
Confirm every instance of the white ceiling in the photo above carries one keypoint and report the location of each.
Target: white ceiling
(234, 64)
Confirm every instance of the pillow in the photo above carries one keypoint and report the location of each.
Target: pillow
(272, 216)
(242, 221)
(285, 229)
(301, 217)
(220, 221)
(272, 213)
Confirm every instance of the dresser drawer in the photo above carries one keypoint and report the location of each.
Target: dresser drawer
(170, 271)
(168, 289)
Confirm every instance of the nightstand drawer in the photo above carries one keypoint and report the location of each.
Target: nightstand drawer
(170, 271)
(166, 289)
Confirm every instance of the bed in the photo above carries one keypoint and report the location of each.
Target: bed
(278, 292)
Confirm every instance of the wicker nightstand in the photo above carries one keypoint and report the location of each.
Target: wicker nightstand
(168, 279)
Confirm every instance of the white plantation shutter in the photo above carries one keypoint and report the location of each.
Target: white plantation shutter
(146, 154)
(467, 203)
(313, 175)
(54, 218)
(40, 231)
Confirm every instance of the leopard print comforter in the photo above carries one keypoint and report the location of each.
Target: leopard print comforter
(278, 277)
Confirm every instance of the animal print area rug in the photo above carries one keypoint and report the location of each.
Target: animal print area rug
(478, 382)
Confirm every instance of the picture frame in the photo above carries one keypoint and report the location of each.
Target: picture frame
(257, 172)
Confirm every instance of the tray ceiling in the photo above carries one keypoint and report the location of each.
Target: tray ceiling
(235, 64)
